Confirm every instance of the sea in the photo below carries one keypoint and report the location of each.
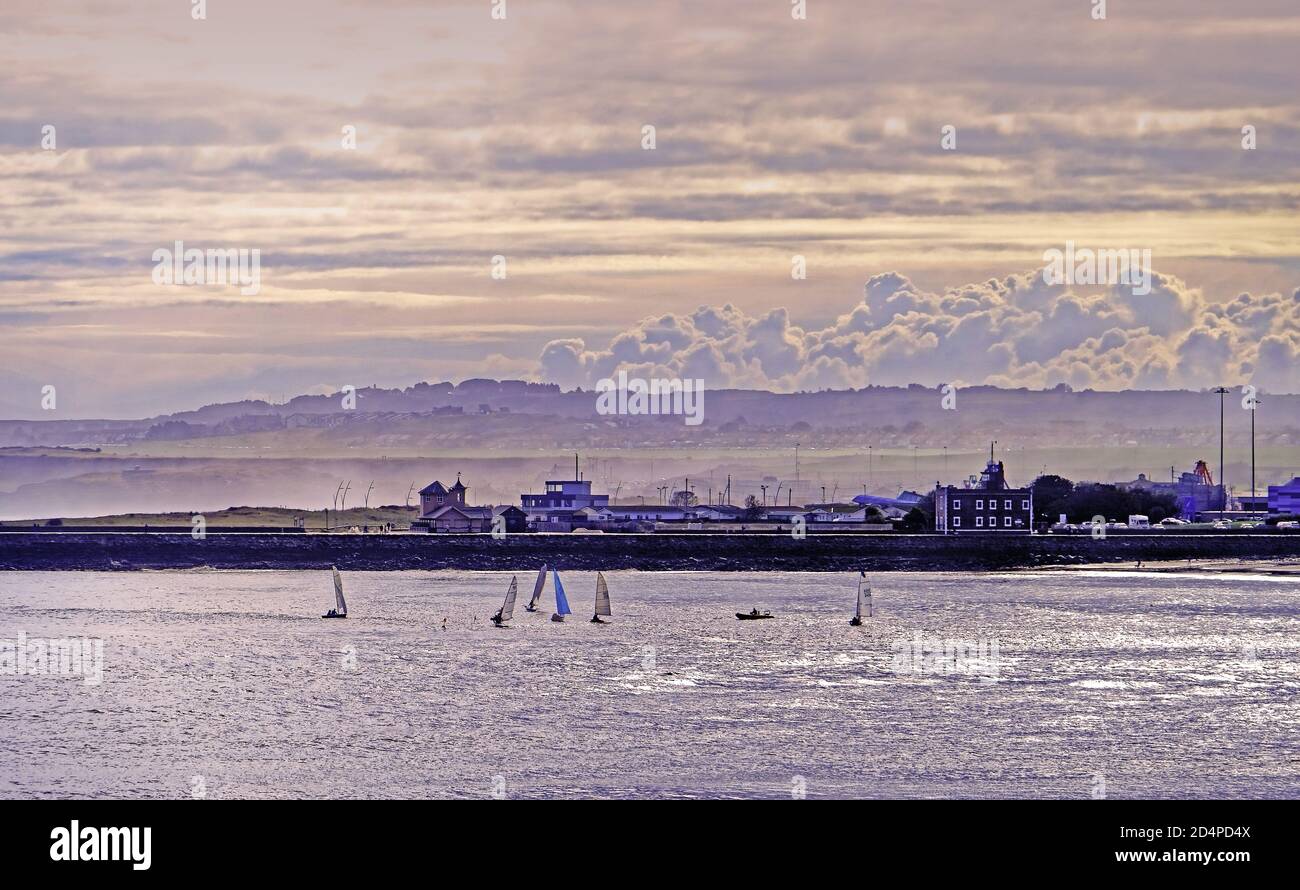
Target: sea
(1076, 683)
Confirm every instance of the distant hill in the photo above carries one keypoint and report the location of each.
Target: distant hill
(492, 412)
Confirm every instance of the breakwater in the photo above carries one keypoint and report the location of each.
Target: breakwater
(664, 552)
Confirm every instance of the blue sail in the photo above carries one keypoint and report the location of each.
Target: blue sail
(561, 601)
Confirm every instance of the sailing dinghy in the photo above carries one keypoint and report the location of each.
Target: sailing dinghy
(602, 600)
(561, 601)
(340, 609)
(864, 601)
(537, 591)
(507, 610)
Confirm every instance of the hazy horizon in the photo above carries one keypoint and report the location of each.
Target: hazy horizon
(1232, 397)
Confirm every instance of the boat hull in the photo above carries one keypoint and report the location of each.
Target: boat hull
(745, 617)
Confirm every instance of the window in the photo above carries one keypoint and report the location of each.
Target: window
(979, 521)
(979, 505)
(1024, 505)
(956, 505)
(956, 521)
(1006, 520)
(1006, 505)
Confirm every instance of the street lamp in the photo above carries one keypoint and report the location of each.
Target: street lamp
(1253, 401)
(1223, 483)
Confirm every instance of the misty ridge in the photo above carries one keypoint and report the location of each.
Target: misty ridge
(508, 413)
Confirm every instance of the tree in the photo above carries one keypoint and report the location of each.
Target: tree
(684, 499)
(916, 520)
(1111, 502)
(1049, 494)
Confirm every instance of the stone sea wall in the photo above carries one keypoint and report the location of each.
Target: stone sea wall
(686, 552)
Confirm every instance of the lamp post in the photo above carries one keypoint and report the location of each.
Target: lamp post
(1254, 403)
(1223, 483)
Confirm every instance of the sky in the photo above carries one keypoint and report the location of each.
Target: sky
(524, 138)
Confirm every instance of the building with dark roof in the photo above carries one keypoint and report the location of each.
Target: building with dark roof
(984, 505)
(435, 496)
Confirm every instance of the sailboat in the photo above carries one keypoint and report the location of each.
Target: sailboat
(864, 601)
(507, 610)
(561, 601)
(602, 600)
(537, 591)
(341, 605)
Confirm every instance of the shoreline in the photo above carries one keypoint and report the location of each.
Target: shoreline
(112, 551)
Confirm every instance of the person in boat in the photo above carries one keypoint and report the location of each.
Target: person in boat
(753, 611)
(496, 619)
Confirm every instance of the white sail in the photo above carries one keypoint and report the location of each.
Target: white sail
(864, 599)
(537, 588)
(508, 607)
(340, 603)
(602, 596)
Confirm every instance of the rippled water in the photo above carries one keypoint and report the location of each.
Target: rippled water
(1153, 685)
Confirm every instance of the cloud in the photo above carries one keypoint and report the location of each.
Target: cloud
(1013, 331)
(775, 137)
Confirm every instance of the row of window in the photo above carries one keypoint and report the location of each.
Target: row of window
(979, 522)
(993, 504)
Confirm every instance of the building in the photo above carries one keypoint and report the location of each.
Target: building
(435, 496)
(1194, 492)
(556, 505)
(652, 513)
(443, 509)
(720, 513)
(460, 519)
(984, 504)
(515, 519)
(1284, 498)
(905, 501)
